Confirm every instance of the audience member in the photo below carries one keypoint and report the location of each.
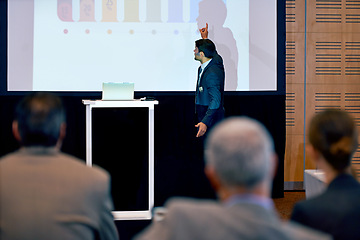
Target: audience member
(240, 164)
(46, 194)
(333, 139)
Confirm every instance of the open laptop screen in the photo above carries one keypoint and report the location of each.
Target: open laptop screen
(118, 91)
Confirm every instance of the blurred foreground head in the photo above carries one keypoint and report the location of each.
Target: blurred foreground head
(241, 153)
(39, 120)
(333, 133)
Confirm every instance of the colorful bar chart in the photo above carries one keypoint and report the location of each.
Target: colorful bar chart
(131, 11)
(87, 11)
(153, 11)
(64, 10)
(175, 11)
(109, 11)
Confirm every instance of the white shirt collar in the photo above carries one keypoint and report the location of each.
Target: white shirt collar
(203, 66)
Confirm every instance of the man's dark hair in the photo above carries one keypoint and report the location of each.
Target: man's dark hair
(39, 117)
(206, 46)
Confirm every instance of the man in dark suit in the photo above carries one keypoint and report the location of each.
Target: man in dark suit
(333, 139)
(240, 164)
(209, 96)
(46, 194)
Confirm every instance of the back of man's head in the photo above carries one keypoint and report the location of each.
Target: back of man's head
(206, 46)
(39, 117)
(241, 151)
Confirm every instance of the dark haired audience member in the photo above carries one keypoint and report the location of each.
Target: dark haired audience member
(46, 194)
(333, 139)
(240, 164)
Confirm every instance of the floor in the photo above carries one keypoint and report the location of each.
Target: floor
(128, 229)
(285, 205)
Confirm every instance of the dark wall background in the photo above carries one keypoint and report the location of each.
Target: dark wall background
(178, 162)
(178, 154)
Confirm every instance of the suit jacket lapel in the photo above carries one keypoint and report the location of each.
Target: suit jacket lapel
(203, 72)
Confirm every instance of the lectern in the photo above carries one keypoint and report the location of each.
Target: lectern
(90, 104)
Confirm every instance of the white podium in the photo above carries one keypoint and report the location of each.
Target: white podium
(90, 104)
(314, 182)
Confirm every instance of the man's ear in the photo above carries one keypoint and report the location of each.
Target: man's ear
(15, 130)
(202, 54)
(213, 178)
(274, 165)
(62, 131)
(62, 135)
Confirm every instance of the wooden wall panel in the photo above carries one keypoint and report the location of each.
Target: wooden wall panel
(333, 58)
(294, 164)
(336, 96)
(294, 109)
(294, 155)
(295, 52)
(331, 36)
(294, 68)
(295, 16)
(333, 15)
(320, 97)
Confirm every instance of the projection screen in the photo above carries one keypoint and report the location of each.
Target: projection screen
(76, 45)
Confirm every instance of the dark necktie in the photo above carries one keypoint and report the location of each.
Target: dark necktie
(197, 85)
(199, 72)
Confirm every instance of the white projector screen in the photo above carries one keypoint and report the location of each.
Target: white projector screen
(76, 45)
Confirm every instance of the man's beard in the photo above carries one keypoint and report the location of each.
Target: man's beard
(197, 59)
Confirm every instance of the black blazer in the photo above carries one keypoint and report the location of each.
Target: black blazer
(336, 211)
(210, 92)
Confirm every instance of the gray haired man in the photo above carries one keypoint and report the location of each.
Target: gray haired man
(240, 164)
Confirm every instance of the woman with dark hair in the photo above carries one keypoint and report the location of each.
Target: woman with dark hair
(333, 140)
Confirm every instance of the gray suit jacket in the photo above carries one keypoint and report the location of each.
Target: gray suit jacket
(208, 220)
(45, 194)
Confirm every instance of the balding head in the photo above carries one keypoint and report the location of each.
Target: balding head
(240, 150)
(39, 120)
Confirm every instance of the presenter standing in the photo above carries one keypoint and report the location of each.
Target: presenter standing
(209, 95)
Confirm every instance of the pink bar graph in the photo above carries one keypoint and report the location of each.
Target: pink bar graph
(64, 10)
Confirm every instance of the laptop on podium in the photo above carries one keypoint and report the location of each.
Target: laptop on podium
(118, 91)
